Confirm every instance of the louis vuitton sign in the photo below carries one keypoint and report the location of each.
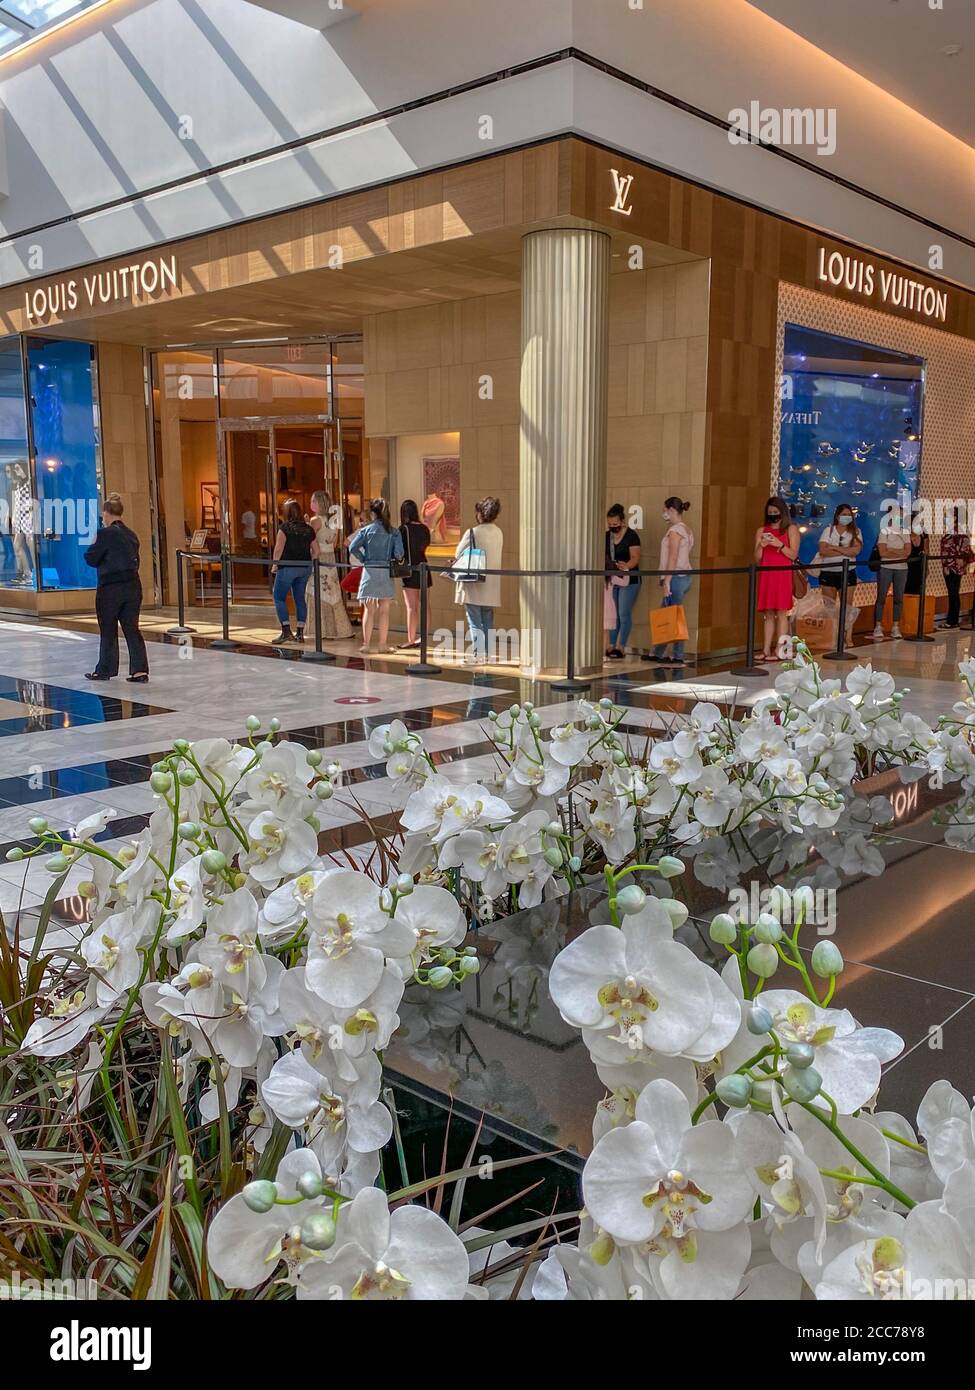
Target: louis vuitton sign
(131, 284)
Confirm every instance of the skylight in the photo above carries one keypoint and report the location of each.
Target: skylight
(21, 20)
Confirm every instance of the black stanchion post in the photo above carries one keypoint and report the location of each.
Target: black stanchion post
(223, 643)
(841, 654)
(919, 634)
(318, 654)
(749, 668)
(180, 629)
(570, 681)
(423, 667)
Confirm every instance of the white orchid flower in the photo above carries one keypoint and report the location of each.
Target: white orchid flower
(410, 1254)
(673, 1189)
(112, 951)
(847, 1057)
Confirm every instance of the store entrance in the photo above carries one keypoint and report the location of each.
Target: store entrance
(262, 465)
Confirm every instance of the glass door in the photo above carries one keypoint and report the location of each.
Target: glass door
(264, 464)
(247, 504)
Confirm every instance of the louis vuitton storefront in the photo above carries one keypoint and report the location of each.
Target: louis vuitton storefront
(559, 327)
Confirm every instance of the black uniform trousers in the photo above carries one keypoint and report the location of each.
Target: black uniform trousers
(118, 605)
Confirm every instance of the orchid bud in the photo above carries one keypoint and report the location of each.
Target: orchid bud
(469, 965)
(181, 745)
(803, 1083)
(260, 1196)
(313, 757)
(767, 929)
(723, 929)
(631, 899)
(758, 1020)
(318, 1231)
(534, 721)
(86, 889)
(803, 903)
(214, 861)
(187, 776)
(14, 855)
(553, 857)
(440, 977)
(492, 716)
(605, 703)
(514, 711)
(404, 885)
(309, 1184)
(669, 866)
(324, 791)
(734, 1090)
(779, 901)
(274, 725)
(252, 723)
(160, 782)
(676, 911)
(188, 830)
(575, 863)
(38, 824)
(826, 959)
(763, 960)
(56, 864)
(801, 1055)
(554, 828)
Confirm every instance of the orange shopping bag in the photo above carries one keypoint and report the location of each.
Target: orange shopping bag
(668, 625)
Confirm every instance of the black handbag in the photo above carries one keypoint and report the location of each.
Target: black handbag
(403, 569)
(873, 564)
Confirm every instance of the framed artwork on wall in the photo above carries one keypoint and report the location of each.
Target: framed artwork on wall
(440, 509)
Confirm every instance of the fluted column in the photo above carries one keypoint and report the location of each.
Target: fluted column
(564, 371)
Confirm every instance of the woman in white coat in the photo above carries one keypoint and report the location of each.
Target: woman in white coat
(480, 598)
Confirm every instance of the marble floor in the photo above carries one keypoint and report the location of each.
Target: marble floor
(69, 747)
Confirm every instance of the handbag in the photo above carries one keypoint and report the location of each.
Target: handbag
(403, 569)
(800, 583)
(350, 581)
(873, 564)
(668, 624)
(476, 563)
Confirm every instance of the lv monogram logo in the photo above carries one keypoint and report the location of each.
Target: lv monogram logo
(621, 187)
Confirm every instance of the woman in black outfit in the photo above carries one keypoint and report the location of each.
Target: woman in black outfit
(294, 549)
(622, 556)
(416, 538)
(114, 553)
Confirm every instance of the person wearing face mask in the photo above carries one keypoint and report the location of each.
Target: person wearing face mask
(776, 547)
(840, 541)
(622, 556)
(675, 554)
(894, 549)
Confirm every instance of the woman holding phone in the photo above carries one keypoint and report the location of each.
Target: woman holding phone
(776, 547)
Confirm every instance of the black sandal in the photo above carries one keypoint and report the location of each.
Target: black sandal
(141, 679)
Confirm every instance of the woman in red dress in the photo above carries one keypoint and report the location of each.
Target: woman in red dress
(776, 547)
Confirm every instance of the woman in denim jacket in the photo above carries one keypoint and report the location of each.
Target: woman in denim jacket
(375, 546)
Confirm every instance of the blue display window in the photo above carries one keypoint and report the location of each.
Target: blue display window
(64, 432)
(851, 418)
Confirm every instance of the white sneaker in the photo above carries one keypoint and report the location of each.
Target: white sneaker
(895, 631)
(878, 632)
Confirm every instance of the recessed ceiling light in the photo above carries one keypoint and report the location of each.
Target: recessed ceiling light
(951, 50)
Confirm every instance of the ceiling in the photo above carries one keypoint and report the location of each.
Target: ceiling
(319, 302)
(899, 45)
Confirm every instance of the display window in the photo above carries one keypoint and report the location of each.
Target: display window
(851, 424)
